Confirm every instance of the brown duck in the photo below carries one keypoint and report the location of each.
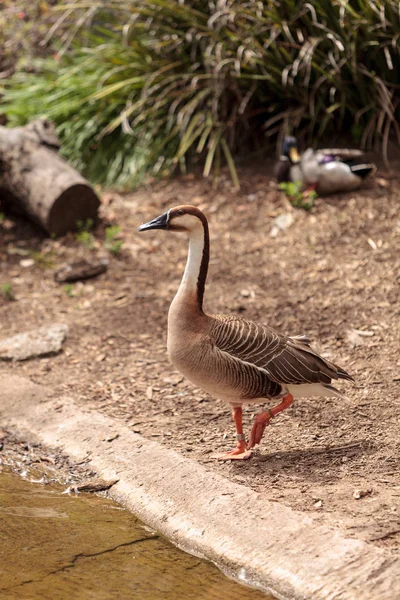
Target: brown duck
(236, 360)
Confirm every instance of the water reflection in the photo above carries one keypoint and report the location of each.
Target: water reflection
(58, 547)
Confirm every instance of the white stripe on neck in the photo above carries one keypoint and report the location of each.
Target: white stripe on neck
(195, 255)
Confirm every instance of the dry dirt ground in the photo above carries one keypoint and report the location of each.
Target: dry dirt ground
(335, 270)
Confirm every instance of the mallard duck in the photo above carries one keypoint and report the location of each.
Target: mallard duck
(326, 171)
(236, 360)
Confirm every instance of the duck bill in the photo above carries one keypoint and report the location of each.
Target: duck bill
(294, 155)
(160, 222)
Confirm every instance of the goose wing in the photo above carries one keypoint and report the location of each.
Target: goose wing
(286, 360)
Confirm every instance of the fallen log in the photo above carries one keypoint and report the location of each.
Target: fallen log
(36, 181)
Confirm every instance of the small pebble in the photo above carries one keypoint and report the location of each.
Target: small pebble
(27, 262)
(281, 223)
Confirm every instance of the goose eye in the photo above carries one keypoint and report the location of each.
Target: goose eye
(180, 213)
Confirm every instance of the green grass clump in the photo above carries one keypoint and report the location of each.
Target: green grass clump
(84, 235)
(44, 260)
(296, 195)
(111, 243)
(148, 87)
(85, 238)
(69, 290)
(7, 292)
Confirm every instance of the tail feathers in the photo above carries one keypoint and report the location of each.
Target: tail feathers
(342, 374)
(334, 391)
(302, 343)
(363, 170)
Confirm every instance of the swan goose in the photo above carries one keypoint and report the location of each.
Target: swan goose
(326, 171)
(231, 358)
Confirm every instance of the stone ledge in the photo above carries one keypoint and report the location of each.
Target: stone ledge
(260, 542)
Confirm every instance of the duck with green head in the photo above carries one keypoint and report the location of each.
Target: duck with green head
(327, 171)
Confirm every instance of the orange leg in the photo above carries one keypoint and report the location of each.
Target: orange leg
(262, 420)
(240, 452)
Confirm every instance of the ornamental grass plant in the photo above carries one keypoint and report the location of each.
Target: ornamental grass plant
(141, 88)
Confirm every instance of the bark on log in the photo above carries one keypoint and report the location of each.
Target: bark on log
(38, 182)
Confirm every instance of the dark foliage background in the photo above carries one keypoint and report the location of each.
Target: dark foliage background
(140, 88)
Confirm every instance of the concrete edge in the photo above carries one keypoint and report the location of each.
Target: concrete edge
(259, 542)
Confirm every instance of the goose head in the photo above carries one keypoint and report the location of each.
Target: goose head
(290, 149)
(192, 222)
(184, 218)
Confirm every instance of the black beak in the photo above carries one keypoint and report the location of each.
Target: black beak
(160, 222)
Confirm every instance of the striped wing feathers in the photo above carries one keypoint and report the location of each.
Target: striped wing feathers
(286, 360)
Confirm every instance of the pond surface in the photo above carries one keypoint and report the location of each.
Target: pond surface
(55, 546)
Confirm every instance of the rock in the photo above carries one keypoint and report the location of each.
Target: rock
(82, 269)
(382, 182)
(38, 342)
(27, 262)
(173, 380)
(281, 223)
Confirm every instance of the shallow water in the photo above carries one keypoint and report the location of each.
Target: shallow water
(57, 547)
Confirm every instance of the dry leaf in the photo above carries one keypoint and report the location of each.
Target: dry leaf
(95, 485)
(358, 494)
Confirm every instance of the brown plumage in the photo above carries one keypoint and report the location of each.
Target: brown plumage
(286, 360)
(234, 359)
